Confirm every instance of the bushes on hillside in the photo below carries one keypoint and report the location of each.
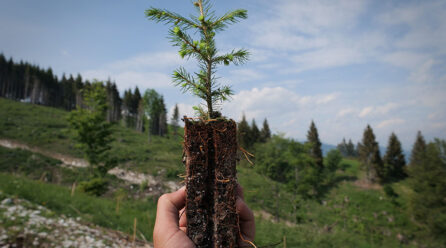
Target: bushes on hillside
(288, 161)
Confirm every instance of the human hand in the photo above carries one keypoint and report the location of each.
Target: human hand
(167, 232)
(170, 225)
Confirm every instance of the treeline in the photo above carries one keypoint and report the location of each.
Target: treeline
(30, 83)
(306, 173)
(425, 173)
(248, 135)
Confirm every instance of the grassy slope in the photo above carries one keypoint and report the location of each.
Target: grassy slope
(47, 128)
(350, 217)
(100, 211)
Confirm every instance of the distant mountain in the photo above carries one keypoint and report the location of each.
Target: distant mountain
(326, 148)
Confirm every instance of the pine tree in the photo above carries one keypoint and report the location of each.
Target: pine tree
(315, 146)
(203, 49)
(220, 227)
(140, 117)
(77, 87)
(175, 119)
(351, 151)
(243, 131)
(418, 150)
(127, 106)
(254, 135)
(394, 160)
(427, 180)
(155, 108)
(265, 133)
(370, 156)
(163, 118)
(342, 147)
(136, 98)
(93, 133)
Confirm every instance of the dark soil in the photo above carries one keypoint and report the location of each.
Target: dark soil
(211, 153)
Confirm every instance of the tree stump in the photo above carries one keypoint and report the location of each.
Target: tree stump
(210, 148)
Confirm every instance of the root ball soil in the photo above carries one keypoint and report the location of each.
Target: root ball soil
(210, 149)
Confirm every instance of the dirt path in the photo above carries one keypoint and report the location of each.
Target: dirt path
(66, 160)
(72, 162)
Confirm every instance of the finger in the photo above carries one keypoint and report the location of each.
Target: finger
(246, 219)
(240, 191)
(183, 219)
(168, 207)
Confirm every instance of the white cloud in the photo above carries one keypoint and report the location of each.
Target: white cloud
(307, 35)
(326, 58)
(423, 74)
(390, 122)
(144, 70)
(244, 75)
(365, 111)
(283, 108)
(378, 110)
(345, 112)
(405, 59)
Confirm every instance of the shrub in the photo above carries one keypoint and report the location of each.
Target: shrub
(96, 186)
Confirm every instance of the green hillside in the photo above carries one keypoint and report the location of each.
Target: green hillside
(349, 215)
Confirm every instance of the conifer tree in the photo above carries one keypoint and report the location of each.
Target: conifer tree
(203, 48)
(163, 118)
(140, 117)
(210, 223)
(394, 160)
(155, 108)
(136, 98)
(370, 156)
(254, 135)
(418, 150)
(265, 133)
(93, 132)
(427, 180)
(342, 147)
(243, 131)
(351, 151)
(175, 119)
(127, 106)
(315, 146)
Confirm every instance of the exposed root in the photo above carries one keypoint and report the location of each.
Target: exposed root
(246, 153)
(222, 180)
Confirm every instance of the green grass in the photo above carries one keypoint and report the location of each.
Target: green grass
(100, 211)
(353, 223)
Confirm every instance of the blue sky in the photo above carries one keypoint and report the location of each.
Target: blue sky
(343, 64)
